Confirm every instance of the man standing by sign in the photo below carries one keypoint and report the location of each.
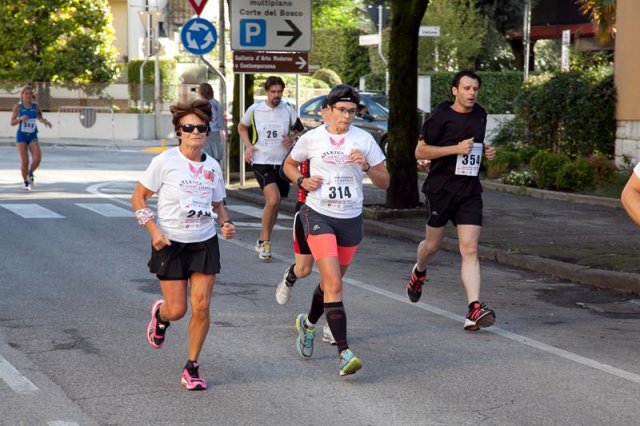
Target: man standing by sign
(453, 139)
(267, 130)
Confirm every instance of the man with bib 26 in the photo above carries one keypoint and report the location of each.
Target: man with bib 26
(271, 123)
(453, 139)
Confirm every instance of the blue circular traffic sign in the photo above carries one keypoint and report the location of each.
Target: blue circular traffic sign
(199, 36)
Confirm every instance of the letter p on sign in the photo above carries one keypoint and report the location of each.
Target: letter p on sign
(253, 32)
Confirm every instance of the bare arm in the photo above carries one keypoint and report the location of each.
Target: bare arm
(14, 116)
(243, 131)
(424, 151)
(227, 228)
(379, 175)
(139, 201)
(41, 118)
(631, 198)
(291, 169)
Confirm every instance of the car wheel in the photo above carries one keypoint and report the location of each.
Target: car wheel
(383, 145)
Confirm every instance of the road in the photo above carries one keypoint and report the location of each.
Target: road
(75, 293)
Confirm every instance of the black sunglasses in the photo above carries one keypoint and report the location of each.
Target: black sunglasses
(189, 128)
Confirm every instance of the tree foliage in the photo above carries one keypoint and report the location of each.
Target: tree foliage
(68, 42)
(462, 31)
(603, 13)
(337, 14)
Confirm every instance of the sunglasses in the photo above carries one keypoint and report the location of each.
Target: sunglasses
(189, 128)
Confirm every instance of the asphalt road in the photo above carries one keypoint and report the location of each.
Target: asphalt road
(75, 293)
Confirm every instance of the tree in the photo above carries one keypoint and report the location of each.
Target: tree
(406, 16)
(506, 16)
(603, 13)
(337, 14)
(462, 31)
(67, 42)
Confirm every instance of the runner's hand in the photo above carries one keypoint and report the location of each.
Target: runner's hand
(465, 146)
(489, 152)
(312, 183)
(248, 153)
(358, 158)
(159, 241)
(228, 230)
(287, 141)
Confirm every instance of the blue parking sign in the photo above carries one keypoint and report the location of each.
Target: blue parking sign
(199, 36)
(253, 32)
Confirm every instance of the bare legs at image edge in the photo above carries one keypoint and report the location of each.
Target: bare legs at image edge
(172, 308)
(478, 314)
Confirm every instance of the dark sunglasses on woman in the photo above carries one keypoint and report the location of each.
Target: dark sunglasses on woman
(189, 128)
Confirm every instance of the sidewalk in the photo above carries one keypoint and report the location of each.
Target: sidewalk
(589, 240)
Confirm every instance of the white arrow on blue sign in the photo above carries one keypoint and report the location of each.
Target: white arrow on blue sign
(199, 36)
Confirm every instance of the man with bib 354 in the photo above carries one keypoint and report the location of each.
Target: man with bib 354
(453, 139)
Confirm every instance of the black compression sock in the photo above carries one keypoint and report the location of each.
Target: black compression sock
(337, 321)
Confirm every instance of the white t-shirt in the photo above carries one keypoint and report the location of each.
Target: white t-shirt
(340, 194)
(185, 191)
(636, 170)
(271, 124)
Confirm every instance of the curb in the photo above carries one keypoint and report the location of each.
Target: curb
(623, 282)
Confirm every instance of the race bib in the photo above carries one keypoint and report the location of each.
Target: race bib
(272, 133)
(195, 212)
(340, 192)
(28, 126)
(469, 164)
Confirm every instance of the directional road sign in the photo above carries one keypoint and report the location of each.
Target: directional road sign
(199, 36)
(273, 62)
(271, 25)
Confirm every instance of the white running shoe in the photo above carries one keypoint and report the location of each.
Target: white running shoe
(327, 336)
(264, 250)
(283, 291)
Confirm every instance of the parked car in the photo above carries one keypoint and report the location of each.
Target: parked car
(372, 116)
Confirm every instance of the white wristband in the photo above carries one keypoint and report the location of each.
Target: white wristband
(144, 215)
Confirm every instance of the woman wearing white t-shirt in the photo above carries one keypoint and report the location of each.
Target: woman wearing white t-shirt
(184, 242)
(339, 155)
(630, 196)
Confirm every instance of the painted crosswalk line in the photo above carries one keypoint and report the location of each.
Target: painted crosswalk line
(32, 211)
(106, 209)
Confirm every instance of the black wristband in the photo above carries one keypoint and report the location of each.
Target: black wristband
(368, 168)
(299, 181)
(227, 221)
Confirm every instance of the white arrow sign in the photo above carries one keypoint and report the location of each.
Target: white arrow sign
(301, 62)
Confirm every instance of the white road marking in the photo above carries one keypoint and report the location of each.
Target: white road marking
(251, 225)
(62, 423)
(579, 359)
(15, 379)
(106, 209)
(32, 211)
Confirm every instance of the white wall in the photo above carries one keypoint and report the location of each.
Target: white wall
(68, 125)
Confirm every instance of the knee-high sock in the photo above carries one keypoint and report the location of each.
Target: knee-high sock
(337, 320)
(317, 305)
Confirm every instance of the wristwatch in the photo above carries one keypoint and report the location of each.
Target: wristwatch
(299, 181)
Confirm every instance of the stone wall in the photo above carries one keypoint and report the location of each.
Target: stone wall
(627, 142)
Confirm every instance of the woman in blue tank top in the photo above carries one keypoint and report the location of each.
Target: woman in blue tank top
(26, 114)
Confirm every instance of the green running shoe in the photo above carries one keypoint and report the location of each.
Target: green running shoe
(349, 363)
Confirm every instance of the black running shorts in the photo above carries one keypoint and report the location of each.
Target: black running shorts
(179, 260)
(444, 206)
(348, 232)
(300, 245)
(270, 173)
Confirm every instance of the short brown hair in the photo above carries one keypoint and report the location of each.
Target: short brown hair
(205, 90)
(272, 81)
(200, 107)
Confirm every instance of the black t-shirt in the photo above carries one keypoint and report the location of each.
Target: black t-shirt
(446, 127)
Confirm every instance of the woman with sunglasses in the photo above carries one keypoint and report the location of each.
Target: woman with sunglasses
(340, 156)
(184, 242)
(25, 114)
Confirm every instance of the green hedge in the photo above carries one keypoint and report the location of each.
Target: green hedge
(339, 51)
(497, 93)
(572, 113)
(168, 80)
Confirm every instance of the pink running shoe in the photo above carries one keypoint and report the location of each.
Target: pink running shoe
(156, 329)
(191, 378)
